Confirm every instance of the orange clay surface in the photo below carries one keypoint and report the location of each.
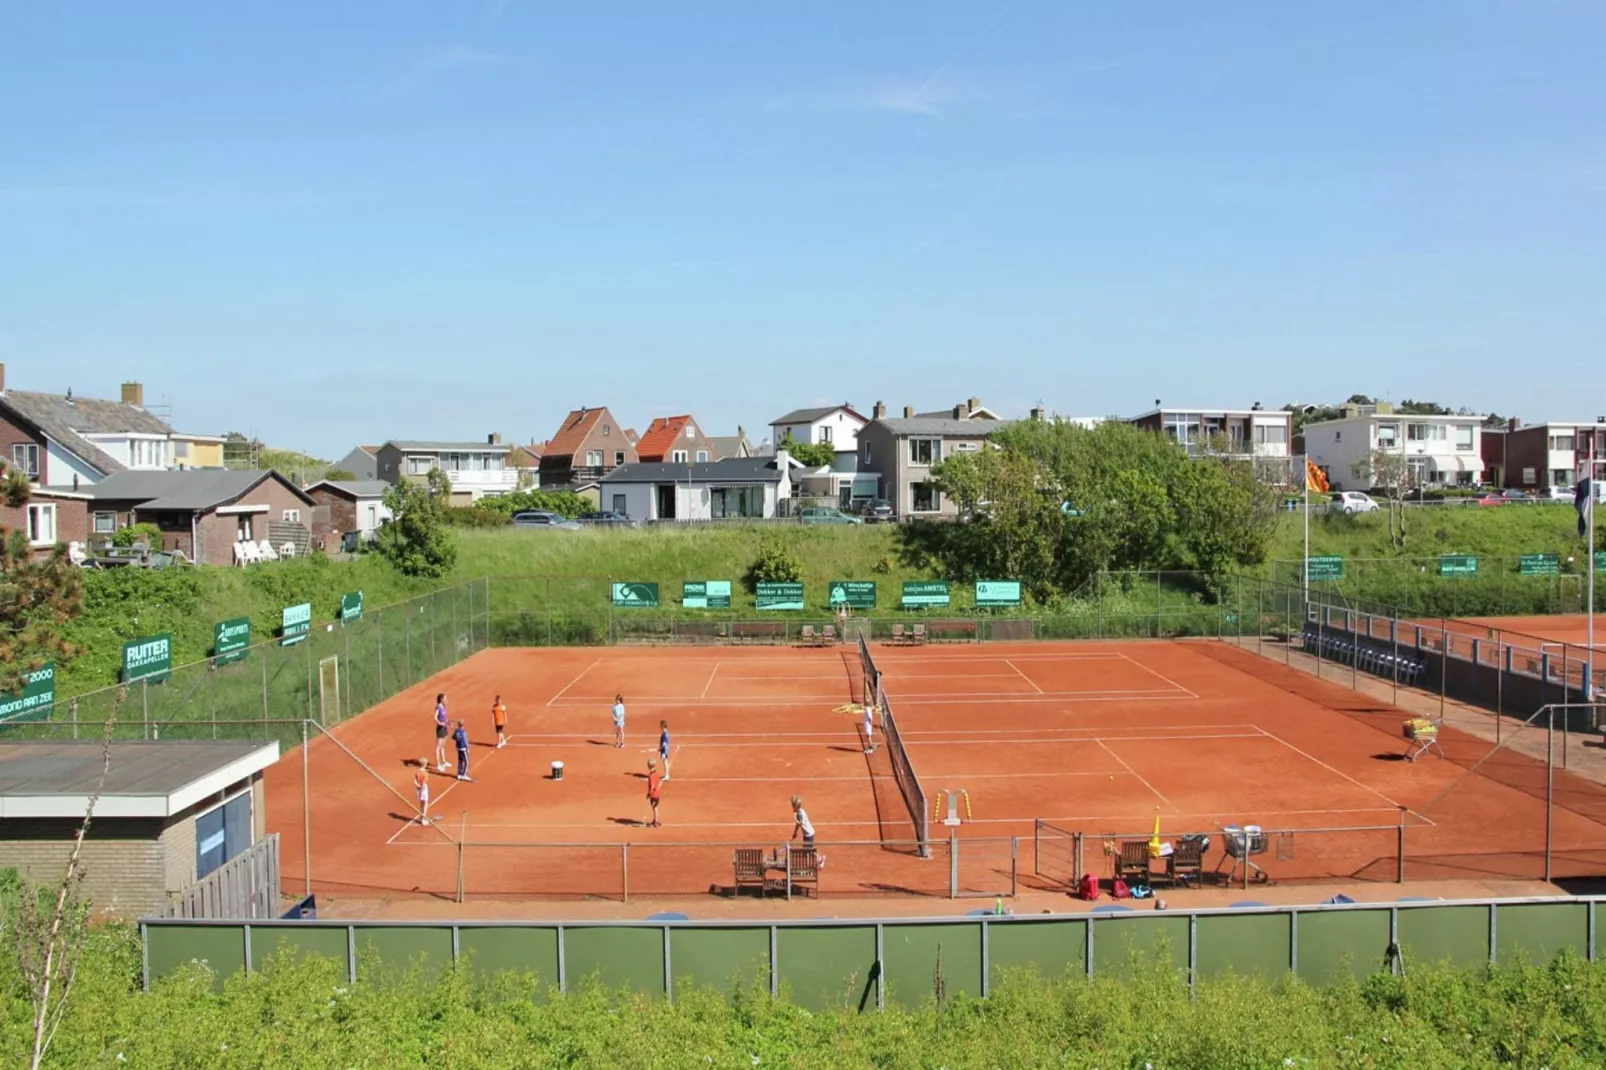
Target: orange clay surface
(1563, 629)
(1091, 737)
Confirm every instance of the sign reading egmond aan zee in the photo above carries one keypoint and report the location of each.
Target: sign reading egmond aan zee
(38, 696)
(296, 624)
(993, 594)
(635, 595)
(779, 596)
(351, 606)
(706, 594)
(150, 658)
(230, 640)
(856, 594)
(925, 594)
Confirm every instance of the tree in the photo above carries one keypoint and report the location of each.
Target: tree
(809, 454)
(1389, 471)
(38, 597)
(418, 540)
(340, 475)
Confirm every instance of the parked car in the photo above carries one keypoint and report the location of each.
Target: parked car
(1492, 499)
(1562, 494)
(817, 514)
(607, 519)
(540, 519)
(1352, 501)
(877, 512)
(1515, 495)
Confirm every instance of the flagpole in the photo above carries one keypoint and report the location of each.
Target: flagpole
(1306, 573)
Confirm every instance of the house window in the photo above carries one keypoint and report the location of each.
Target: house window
(1463, 436)
(1528, 479)
(25, 455)
(968, 447)
(825, 434)
(593, 458)
(1338, 436)
(925, 450)
(42, 525)
(292, 516)
(222, 833)
(1271, 435)
(1561, 478)
(866, 453)
(607, 429)
(618, 457)
(926, 497)
(691, 432)
(702, 456)
(619, 505)
(420, 466)
(181, 449)
(1562, 442)
(105, 523)
(1388, 435)
(1425, 432)
(678, 457)
(373, 517)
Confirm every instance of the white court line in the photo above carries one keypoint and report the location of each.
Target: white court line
(748, 702)
(1134, 772)
(1162, 676)
(1173, 731)
(822, 741)
(553, 700)
(1336, 772)
(1023, 676)
(710, 682)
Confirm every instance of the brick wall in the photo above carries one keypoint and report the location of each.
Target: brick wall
(217, 532)
(178, 851)
(72, 519)
(12, 433)
(341, 513)
(124, 870)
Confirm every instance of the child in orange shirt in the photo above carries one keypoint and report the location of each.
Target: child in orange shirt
(499, 718)
(421, 785)
(654, 790)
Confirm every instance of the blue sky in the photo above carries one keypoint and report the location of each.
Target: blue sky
(332, 223)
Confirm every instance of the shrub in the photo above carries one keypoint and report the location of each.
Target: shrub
(776, 563)
(477, 516)
(149, 534)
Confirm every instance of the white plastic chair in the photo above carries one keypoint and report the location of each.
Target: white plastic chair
(75, 554)
(287, 550)
(265, 551)
(249, 551)
(239, 554)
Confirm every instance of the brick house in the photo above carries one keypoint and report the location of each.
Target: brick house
(589, 443)
(675, 440)
(345, 505)
(204, 513)
(1539, 457)
(168, 814)
(51, 516)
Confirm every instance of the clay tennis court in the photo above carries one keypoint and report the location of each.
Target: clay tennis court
(1572, 629)
(1091, 737)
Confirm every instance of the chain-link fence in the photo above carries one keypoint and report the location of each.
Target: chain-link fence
(1466, 585)
(268, 690)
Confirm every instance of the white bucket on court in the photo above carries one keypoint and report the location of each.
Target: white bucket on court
(557, 770)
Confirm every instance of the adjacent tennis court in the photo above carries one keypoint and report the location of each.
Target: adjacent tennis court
(1047, 754)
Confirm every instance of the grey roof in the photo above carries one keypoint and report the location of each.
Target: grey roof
(62, 420)
(807, 416)
(137, 768)
(730, 470)
(357, 488)
(187, 491)
(474, 447)
(727, 445)
(948, 426)
(360, 463)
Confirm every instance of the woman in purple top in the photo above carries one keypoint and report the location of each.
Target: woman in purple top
(440, 733)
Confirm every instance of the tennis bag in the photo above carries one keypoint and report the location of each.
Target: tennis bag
(1088, 887)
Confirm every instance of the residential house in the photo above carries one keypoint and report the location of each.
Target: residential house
(50, 516)
(362, 462)
(61, 440)
(675, 440)
(741, 487)
(1538, 457)
(838, 425)
(475, 469)
(965, 410)
(589, 444)
(1441, 451)
(196, 451)
(204, 512)
(348, 505)
(903, 452)
(727, 447)
(1252, 432)
(526, 461)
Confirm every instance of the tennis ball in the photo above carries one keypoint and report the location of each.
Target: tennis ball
(1112, 776)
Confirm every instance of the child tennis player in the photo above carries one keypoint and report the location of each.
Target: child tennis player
(440, 733)
(663, 746)
(499, 719)
(869, 730)
(460, 740)
(619, 721)
(421, 786)
(802, 826)
(654, 791)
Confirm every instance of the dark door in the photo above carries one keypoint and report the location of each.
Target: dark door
(666, 502)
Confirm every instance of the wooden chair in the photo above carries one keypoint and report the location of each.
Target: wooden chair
(898, 637)
(1132, 863)
(1186, 863)
(828, 635)
(749, 869)
(807, 635)
(803, 870)
(920, 635)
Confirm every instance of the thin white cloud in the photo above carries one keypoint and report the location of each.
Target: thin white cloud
(922, 98)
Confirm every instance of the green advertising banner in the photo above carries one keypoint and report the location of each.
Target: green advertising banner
(1539, 564)
(925, 594)
(1600, 561)
(779, 596)
(150, 658)
(1458, 565)
(635, 595)
(706, 594)
(296, 624)
(995, 594)
(351, 606)
(38, 696)
(1329, 567)
(230, 640)
(856, 594)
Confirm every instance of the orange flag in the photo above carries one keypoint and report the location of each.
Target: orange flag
(1315, 478)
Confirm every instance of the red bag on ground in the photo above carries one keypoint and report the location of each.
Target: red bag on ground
(1119, 890)
(1088, 887)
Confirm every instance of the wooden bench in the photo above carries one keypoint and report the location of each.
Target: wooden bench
(749, 870)
(757, 631)
(803, 869)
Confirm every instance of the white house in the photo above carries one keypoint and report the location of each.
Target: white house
(1440, 450)
(735, 488)
(838, 425)
(475, 469)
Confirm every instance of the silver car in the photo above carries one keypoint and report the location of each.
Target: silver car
(540, 519)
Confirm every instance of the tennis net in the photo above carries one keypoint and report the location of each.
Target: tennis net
(903, 770)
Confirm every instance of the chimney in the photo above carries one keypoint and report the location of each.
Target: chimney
(908, 412)
(1038, 413)
(959, 412)
(877, 413)
(2, 378)
(975, 403)
(134, 394)
(1256, 407)
(1513, 423)
(494, 438)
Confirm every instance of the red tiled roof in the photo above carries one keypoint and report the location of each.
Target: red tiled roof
(572, 434)
(661, 434)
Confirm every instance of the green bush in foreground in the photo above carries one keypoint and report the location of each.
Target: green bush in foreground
(303, 1013)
